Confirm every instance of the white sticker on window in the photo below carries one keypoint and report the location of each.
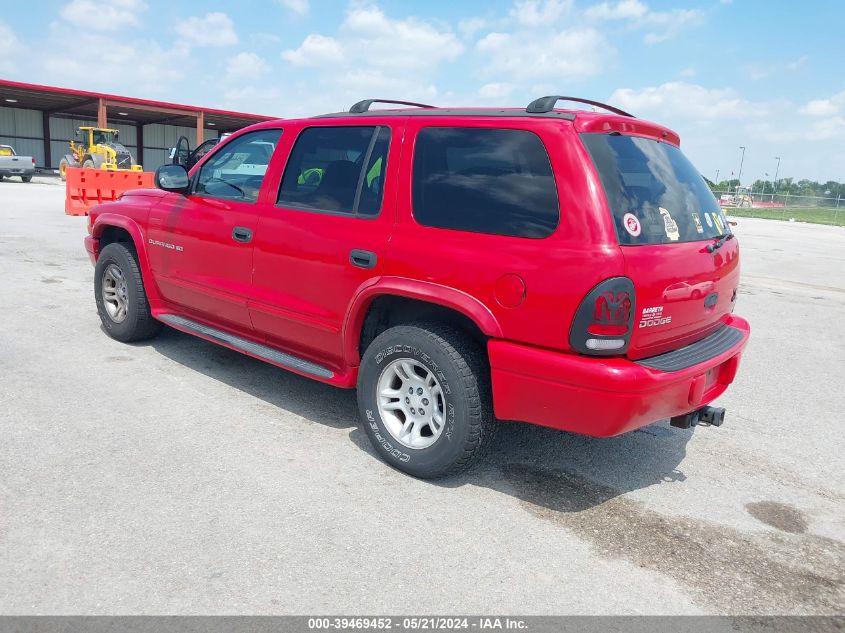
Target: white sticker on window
(632, 224)
(670, 225)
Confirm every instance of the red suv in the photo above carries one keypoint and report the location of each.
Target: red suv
(459, 266)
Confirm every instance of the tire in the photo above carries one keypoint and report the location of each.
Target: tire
(88, 164)
(461, 372)
(26, 178)
(136, 322)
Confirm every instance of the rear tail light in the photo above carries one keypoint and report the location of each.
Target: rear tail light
(605, 319)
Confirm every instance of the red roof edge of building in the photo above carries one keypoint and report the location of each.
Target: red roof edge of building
(132, 100)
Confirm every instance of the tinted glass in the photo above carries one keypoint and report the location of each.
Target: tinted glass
(485, 181)
(339, 169)
(203, 149)
(102, 138)
(654, 192)
(237, 170)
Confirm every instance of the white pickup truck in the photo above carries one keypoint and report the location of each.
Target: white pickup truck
(13, 165)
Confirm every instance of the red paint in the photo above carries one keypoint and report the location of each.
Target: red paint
(510, 290)
(598, 396)
(294, 288)
(696, 392)
(679, 277)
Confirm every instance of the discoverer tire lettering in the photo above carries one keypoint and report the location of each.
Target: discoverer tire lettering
(460, 368)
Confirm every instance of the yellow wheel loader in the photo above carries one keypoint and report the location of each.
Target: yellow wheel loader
(97, 148)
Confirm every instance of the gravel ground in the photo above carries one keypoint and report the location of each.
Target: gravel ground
(179, 477)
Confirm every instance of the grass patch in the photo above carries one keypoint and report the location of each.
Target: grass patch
(814, 215)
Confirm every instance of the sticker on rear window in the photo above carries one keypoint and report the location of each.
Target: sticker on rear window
(718, 222)
(670, 225)
(697, 221)
(632, 224)
(708, 220)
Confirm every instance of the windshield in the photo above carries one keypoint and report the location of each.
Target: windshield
(655, 194)
(103, 138)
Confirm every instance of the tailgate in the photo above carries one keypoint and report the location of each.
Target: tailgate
(18, 163)
(667, 222)
(683, 293)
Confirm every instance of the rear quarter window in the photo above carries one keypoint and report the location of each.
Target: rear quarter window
(655, 194)
(485, 181)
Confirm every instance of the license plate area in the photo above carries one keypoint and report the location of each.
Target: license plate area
(711, 377)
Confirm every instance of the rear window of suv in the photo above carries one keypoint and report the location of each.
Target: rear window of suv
(485, 181)
(655, 194)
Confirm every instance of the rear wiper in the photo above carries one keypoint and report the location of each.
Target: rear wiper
(720, 243)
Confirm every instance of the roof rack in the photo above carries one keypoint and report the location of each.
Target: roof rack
(364, 106)
(547, 104)
(446, 112)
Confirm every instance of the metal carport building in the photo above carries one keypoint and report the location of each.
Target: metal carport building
(40, 120)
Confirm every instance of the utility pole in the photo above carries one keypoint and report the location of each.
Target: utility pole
(741, 161)
(777, 169)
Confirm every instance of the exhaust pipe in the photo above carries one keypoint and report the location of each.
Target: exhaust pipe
(711, 416)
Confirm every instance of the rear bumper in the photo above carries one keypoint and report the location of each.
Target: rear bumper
(603, 396)
(92, 246)
(17, 171)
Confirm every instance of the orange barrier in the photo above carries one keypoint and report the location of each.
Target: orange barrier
(86, 188)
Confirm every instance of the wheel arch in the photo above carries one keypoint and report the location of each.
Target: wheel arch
(392, 301)
(111, 228)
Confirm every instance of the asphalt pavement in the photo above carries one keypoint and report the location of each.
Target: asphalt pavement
(175, 476)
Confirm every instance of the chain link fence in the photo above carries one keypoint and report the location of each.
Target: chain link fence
(776, 206)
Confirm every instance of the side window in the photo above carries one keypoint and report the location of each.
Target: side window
(237, 170)
(203, 149)
(485, 181)
(339, 169)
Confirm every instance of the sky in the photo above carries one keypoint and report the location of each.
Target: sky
(722, 73)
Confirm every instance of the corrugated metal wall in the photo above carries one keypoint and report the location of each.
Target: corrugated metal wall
(22, 129)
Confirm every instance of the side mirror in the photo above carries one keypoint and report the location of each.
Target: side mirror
(173, 178)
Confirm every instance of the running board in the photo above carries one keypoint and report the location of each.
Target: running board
(254, 349)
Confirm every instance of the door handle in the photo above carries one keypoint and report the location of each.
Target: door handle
(242, 234)
(362, 259)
